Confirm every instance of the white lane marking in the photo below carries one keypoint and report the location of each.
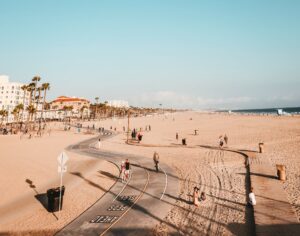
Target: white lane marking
(124, 186)
(165, 184)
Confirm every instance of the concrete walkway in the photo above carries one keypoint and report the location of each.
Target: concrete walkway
(273, 213)
(132, 208)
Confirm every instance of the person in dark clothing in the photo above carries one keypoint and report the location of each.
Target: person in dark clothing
(127, 169)
(226, 139)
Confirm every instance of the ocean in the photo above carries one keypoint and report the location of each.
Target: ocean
(285, 110)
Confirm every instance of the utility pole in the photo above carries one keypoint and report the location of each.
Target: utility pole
(128, 125)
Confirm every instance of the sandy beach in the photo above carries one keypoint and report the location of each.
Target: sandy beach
(24, 161)
(222, 175)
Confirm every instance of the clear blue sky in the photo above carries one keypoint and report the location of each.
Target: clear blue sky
(200, 54)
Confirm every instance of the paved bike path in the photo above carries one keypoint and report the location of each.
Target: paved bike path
(126, 209)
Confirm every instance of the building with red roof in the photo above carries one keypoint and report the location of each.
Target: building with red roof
(60, 103)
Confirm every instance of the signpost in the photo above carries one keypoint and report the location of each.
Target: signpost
(62, 168)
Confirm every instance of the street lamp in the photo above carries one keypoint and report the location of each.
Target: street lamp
(128, 111)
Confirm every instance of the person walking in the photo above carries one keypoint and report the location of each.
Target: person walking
(127, 169)
(226, 139)
(196, 196)
(123, 172)
(99, 143)
(177, 137)
(156, 160)
(221, 141)
(252, 200)
(140, 136)
(203, 196)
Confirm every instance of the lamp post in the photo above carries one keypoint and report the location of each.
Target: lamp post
(128, 125)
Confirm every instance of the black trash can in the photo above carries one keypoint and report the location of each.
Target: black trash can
(183, 141)
(53, 198)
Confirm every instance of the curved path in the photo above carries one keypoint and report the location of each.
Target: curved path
(132, 208)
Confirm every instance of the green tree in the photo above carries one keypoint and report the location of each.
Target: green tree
(31, 111)
(45, 86)
(3, 114)
(35, 80)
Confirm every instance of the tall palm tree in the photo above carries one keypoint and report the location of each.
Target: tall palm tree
(30, 89)
(35, 80)
(38, 98)
(45, 86)
(25, 89)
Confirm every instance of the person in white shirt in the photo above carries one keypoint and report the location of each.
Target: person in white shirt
(252, 200)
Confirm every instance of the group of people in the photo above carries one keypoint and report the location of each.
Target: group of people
(197, 197)
(135, 134)
(126, 167)
(223, 140)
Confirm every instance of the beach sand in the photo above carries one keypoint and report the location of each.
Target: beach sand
(29, 167)
(222, 175)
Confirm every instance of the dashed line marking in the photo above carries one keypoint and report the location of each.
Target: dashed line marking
(116, 221)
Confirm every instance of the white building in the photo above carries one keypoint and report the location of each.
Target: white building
(118, 103)
(12, 95)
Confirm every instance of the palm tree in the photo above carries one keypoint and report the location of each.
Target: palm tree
(31, 110)
(45, 86)
(30, 89)
(96, 110)
(15, 114)
(66, 109)
(25, 89)
(35, 80)
(38, 98)
(3, 114)
(82, 109)
(16, 111)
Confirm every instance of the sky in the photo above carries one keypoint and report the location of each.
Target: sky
(182, 54)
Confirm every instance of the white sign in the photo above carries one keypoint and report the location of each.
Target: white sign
(62, 169)
(62, 159)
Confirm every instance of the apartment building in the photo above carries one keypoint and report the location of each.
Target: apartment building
(12, 95)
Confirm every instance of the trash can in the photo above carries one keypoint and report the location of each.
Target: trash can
(261, 146)
(53, 198)
(281, 172)
(183, 141)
